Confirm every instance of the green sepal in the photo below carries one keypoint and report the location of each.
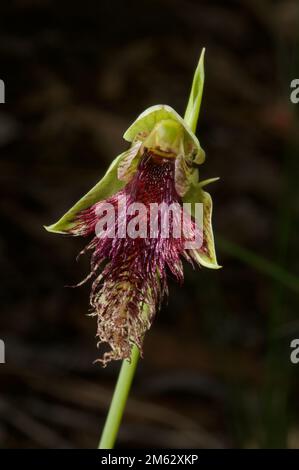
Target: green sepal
(194, 195)
(107, 186)
(147, 120)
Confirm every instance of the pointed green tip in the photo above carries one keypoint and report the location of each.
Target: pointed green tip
(51, 229)
(194, 103)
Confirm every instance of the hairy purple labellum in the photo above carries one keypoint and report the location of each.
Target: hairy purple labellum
(128, 289)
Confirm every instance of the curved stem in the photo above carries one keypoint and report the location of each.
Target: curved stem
(119, 400)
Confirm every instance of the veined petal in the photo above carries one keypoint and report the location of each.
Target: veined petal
(196, 194)
(135, 271)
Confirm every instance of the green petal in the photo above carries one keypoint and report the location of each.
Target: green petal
(107, 186)
(197, 194)
(147, 120)
(128, 166)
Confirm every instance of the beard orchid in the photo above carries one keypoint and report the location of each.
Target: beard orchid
(130, 259)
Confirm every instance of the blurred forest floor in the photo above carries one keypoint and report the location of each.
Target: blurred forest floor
(216, 369)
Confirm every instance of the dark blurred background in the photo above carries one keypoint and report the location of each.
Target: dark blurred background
(217, 370)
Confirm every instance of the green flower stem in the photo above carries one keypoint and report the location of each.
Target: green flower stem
(128, 368)
(119, 400)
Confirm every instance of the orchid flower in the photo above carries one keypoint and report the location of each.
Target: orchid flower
(130, 273)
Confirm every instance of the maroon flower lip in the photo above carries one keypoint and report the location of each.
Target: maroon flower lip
(130, 274)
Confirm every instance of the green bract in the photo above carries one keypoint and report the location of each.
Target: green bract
(159, 129)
